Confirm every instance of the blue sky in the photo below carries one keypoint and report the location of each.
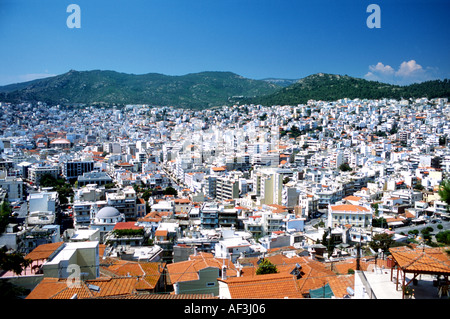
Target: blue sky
(253, 38)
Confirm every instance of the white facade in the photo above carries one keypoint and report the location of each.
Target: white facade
(80, 258)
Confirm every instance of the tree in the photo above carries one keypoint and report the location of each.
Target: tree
(170, 191)
(266, 267)
(426, 233)
(146, 195)
(379, 222)
(443, 237)
(8, 291)
(444, 191)
(64, 189)
(375, 206)
(5, 211)
(328, 241)
(419, 186)
(13, 262)
(381, 241)
(344, 167)
(47, 180)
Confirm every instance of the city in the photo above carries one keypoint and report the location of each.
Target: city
(337, 199)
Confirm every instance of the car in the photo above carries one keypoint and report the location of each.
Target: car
(16, 207)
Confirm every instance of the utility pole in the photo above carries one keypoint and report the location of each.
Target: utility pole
(358, 256)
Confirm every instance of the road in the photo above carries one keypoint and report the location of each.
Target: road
(405, 229)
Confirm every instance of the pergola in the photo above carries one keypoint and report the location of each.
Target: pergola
(419, 261)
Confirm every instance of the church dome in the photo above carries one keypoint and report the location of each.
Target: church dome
(60, 141)
(108, 212)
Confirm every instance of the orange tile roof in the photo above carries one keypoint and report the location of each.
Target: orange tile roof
(269, 286)
(47, 288)
(108, 287)
(44, 251)
(353, 198)
(148, 273)
(339, 284)
(188, 270)
(349, 208)
(429, 260)
(127, 225)
(182, 201)
(161, 233)
(53, 288)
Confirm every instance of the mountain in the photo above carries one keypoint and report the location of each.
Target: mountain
(207, 89)
(331, 87)
(195, 90)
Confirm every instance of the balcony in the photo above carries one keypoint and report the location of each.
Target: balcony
(378, 285)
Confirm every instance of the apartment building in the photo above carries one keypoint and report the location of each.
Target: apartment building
(124, 201)
(73, 169)
(36, 172)
(226, 188)
(354, 215)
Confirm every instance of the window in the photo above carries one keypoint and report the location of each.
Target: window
(210, 284)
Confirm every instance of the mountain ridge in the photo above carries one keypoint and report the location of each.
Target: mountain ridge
(196, 90)
(207, 89)
(332, 87)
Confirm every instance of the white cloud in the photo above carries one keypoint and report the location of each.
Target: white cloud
(407, 73)
(381, 68)
(408, 69)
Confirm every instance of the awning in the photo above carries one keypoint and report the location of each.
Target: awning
(323, 292)
(396, 224)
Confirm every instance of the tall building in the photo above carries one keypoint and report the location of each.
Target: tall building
(227, 188)
(73, 169)
(13, 187)
(124, 201)
(268, 185)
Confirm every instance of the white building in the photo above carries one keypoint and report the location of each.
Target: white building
(13, 186)
(43, 202)
(354, 215)
(232, 245)
(80, 258)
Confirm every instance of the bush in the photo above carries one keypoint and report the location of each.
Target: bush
(443, 237)
(266, 267)
(128, 232)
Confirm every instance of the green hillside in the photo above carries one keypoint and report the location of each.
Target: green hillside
(207, 89)
(196, 90)
(330, 87)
